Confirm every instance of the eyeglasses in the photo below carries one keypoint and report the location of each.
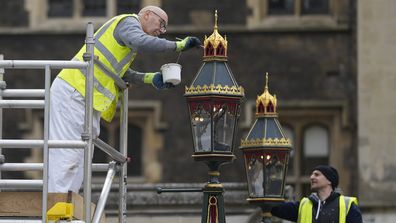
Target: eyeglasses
(162, 23)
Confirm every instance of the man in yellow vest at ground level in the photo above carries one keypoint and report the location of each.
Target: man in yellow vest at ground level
(117, 43)
(324, 205)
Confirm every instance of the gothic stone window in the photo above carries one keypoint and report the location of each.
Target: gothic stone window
(293, 14)
(99, 8)
(144, 141)
(73, 15)
(303, 7)
(311, 144)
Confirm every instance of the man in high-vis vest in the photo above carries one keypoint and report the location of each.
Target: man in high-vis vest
(117, 43)
(324, 205)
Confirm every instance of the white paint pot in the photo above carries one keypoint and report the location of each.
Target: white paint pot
(171, 73)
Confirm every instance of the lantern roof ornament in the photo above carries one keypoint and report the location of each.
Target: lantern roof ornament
(266, 130)
(215, 46)
(266, 104)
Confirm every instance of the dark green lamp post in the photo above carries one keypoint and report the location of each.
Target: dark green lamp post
(266, 152)
(214, 99)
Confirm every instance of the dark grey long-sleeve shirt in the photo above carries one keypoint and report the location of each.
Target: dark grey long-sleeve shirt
(129, 32)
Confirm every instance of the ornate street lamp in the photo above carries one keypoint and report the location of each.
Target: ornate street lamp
(266, 152)
(214, 99)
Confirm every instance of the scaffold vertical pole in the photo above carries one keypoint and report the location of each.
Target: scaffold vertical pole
(124, 151)
(87, 135)
(2, 87)
(46, 138)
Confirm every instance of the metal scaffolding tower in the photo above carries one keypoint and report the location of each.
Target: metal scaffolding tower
(87, 143)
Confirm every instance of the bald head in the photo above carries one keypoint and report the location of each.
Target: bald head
(157, 10)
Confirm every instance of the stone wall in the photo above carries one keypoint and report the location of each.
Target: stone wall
(376, 93)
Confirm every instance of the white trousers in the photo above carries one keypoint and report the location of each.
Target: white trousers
(67, 123)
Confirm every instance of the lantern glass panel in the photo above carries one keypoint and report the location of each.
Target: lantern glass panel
(201, 126)
(254, 169)
(224, 119)
(266, 172)
(273, 173)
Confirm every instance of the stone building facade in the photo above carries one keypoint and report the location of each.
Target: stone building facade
(322, 78)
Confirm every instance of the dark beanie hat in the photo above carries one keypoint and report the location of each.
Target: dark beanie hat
(330, 173)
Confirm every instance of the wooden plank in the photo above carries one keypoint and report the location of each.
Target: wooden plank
(20, 204)
(28, 204)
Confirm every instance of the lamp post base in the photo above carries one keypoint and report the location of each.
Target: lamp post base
(213, 204)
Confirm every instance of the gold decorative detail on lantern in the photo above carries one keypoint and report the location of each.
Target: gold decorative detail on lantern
(219, 89)
(265, 142)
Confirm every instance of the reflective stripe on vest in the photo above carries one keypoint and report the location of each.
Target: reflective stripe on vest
(112, 61)
(305, 209)
(118, 80)
(117, 66)
(98, 86)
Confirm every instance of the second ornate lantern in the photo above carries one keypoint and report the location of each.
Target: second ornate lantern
(266, 152)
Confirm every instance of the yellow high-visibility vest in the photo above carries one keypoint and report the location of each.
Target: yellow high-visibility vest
(305, 209)
(111, 59)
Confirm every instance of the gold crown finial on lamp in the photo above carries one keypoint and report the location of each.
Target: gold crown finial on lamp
(215, 46)
(266, 104)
